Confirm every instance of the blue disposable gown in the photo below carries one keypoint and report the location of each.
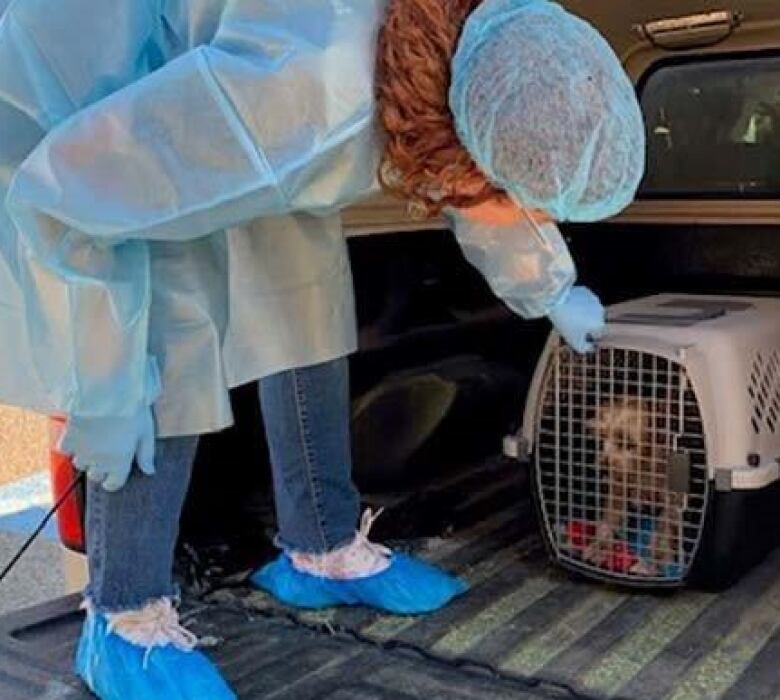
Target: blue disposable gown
(137, 139)
(133, 129)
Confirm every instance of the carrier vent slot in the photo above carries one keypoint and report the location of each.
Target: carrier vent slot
(764, 391)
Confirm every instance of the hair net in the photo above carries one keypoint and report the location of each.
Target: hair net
(546, 110)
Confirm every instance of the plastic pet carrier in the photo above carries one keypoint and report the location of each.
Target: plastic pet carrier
(656, 458)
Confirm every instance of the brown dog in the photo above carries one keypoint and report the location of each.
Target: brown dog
(634, 449)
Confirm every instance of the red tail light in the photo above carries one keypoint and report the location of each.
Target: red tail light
(70, 517)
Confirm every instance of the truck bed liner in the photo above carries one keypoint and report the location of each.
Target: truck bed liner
(526, 621)
(526, 630)
(262, 657)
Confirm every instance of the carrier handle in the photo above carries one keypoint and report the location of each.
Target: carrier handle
(673, 320)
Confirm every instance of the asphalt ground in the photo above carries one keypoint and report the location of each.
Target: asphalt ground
(45, 571)
(24, 439)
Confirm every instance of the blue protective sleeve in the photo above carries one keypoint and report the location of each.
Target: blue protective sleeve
(73, 316)
(275, 115)
(527, 266)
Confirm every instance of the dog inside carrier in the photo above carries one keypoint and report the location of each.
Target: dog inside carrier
(656, 458)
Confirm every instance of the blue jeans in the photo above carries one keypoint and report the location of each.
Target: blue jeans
(131, 534)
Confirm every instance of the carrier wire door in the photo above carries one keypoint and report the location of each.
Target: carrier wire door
(621, 465)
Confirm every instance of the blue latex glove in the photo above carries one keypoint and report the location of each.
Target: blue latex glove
(580, 319)
(105, 448)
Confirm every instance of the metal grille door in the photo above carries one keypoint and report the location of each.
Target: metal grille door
(621, 465)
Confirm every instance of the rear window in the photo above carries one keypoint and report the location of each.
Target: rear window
(714, 129)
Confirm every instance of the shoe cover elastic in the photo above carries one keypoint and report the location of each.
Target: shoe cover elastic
(408, 587)
(115, 669)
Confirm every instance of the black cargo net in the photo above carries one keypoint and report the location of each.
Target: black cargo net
(621, 465)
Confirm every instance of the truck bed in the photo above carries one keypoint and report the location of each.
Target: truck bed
(262, 657)
(526, 630)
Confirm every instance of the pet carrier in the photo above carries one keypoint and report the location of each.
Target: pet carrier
(656, 458)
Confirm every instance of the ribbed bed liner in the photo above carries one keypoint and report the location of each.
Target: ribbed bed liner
(526, 621)
(525, 631)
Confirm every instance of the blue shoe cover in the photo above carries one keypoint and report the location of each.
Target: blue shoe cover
(115, 669)
(408, 587)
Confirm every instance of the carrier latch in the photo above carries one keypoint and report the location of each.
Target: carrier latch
(679, 472)
(516, 447)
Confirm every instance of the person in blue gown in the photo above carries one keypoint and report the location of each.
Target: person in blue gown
(171, 176)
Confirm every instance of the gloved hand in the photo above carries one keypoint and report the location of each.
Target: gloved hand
(105, 448)
(580, 319)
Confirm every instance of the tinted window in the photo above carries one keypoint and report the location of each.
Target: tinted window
(714, 129)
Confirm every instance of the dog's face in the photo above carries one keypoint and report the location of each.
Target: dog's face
(630, 449)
